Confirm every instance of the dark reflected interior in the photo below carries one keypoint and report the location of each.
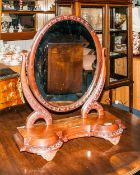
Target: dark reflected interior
(65, 62)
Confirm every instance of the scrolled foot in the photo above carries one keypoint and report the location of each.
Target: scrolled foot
(49, 155)
(95, 105)
(114, 140)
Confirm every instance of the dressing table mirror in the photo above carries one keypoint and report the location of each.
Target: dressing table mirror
(53, 81)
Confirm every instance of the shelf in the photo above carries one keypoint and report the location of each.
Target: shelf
(118, 31)
(17, 35)
(115, 55)
(26, 0)
(118, 83)
(117, 77)
(27, 12)
(99, 31)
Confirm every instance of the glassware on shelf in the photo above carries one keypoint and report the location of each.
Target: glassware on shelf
(20, 27)
(118, 44)
(65, 10)
(4, 27)
(118, 39)
(10, 54)
(37, 7)
(6, 20)
(93, 16)
(25, 7)
(11, 29)
(20, 4)
(119, 20)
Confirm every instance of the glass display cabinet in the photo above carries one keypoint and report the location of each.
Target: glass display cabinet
(65, 10)
(94, 16)
(22, 19)
(118, 43)
(111, 21)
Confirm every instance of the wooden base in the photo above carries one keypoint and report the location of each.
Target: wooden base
(46, 140)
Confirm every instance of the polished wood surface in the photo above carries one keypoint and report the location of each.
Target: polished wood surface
(79, 156)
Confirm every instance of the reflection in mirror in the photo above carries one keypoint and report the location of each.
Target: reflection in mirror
(65, 62)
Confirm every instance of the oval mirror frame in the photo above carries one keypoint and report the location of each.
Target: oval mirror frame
(31, 60)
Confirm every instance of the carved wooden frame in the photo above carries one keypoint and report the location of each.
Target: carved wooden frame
(45, 145)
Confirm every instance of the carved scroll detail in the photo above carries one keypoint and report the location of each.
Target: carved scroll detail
(33, 117)
(91, 103)
(41, 112)
(47, 153)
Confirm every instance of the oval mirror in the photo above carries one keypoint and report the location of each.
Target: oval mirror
(64, 63)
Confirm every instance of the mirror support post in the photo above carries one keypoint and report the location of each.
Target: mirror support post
(92, 103)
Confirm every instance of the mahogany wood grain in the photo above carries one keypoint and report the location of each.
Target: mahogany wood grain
(84, 156)
(28, 12)
(95, 1)
(17, 36)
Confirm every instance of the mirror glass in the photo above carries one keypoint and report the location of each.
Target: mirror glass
(65, 62)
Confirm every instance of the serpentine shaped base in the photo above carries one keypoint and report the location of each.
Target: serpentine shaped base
(47, 140)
